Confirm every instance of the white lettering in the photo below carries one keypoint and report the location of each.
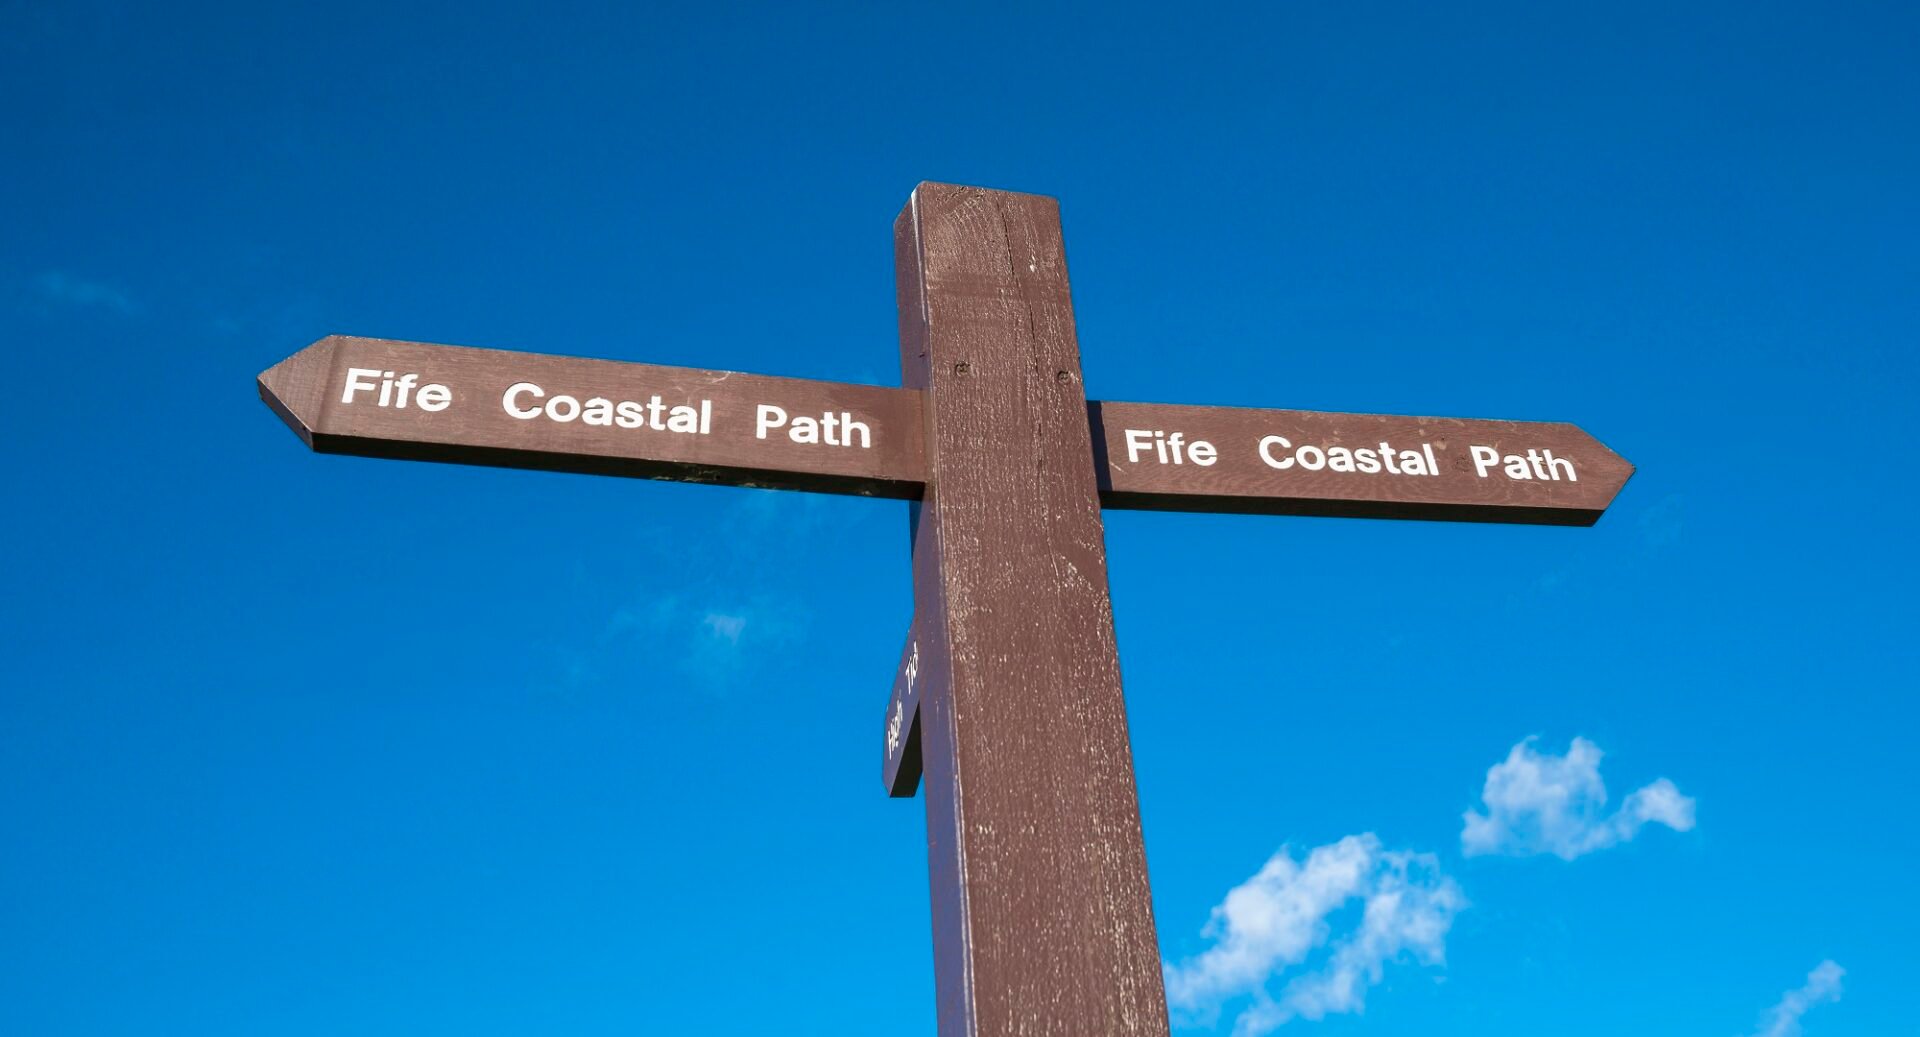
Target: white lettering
(394, 392)
(433, 397)
(354, 384)
(829, 429)
(1484, 457)
(1169, 447)
(1272, 441)
(766, 418)
(527, 401)
(683, 418)
(848, 427)
(1279, 452)
(1554, 463)
(1138, 439)
(1528, 467)
(517, 389)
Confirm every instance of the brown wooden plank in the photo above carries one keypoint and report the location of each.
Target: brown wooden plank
(900, 743)
(331, 394)
(1184, 458)
(1042, 919)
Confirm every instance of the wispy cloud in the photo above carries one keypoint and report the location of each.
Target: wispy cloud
(1662, 524)
(1541, 803)
(714, 643)
(1783, 1019)
(1280, 917)
(725, 626)
(711, 613)
(62, 288)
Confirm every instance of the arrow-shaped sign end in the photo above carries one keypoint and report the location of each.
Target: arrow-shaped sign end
(1609, 470)
(295, 387)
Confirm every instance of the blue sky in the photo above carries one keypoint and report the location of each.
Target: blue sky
(312, 745)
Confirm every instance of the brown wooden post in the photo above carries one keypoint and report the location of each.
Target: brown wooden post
(1007, 703)
(1042, 919)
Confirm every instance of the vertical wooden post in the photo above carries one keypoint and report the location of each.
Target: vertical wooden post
(1042, 920)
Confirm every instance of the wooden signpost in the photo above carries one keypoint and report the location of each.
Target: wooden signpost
(1007, 700)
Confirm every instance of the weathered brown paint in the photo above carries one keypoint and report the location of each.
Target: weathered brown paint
(900, 762)
(1239, 479)
(306, 391)
(1042, 919)
(1043, 923)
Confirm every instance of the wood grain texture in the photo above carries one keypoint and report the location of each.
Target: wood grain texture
(306, 391)
(474, 427)
(1042, 917)
(1463, 486)
(900, 727)
(1014, 717)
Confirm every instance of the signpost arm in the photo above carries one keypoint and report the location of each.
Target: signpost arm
(1042, 919)
(1007, 705)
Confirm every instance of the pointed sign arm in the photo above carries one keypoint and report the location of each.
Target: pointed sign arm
(1174, 457)
(900, 762)
(414, 401)
(410, 400)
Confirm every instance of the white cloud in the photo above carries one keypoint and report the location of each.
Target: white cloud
(1783, 1019)
(1541, 803)
(713, 612)
(714, 644)
(1279, 917)
(725, 626)
(68, 290)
